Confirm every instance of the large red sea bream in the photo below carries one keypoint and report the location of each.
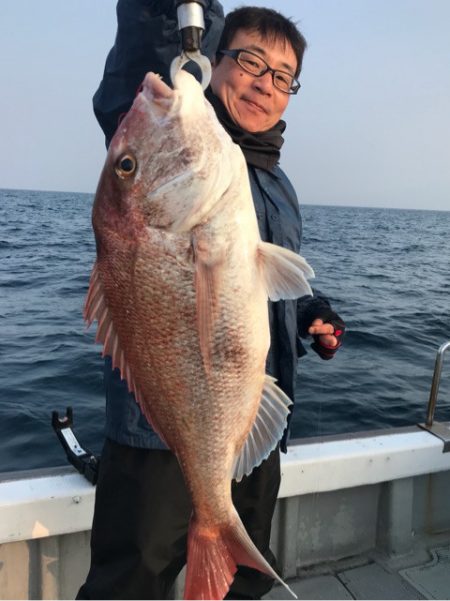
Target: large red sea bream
(179, 290)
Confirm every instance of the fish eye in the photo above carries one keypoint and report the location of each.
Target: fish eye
(125, 166)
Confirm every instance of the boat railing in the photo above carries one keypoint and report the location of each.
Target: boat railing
(440, 430)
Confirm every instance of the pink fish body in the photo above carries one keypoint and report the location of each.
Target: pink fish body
(179, 290)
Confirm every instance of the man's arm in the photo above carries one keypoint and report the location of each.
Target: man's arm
(147, 39)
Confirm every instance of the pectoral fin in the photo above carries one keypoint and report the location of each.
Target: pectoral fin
(267, 429)
(208, 268)
(284, 272)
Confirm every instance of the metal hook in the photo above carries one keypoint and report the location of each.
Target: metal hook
(202, 61)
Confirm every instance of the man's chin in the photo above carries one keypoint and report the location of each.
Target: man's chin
(252, 119)
(251, 124)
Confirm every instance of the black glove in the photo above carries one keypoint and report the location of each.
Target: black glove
(324, 351)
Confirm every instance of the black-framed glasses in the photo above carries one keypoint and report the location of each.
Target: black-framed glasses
(257, 66)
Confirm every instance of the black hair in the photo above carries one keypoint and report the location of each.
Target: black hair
(269, 24)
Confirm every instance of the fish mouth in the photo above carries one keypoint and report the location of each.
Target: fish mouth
(158, 94)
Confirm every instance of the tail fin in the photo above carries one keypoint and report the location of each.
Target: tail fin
(213, 555)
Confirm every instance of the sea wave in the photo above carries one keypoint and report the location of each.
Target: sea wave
(385, 272)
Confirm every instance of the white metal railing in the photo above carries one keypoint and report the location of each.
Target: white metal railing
(439, 429)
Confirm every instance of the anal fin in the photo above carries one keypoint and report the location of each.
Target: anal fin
(266, 431)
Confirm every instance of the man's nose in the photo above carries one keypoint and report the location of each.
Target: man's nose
(264, 83)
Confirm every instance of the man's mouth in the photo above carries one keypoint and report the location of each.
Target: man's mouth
(254, 104)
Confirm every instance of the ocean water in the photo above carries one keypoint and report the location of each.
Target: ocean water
(386, 272)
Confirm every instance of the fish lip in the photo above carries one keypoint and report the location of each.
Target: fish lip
(155, 88)
(159, 97)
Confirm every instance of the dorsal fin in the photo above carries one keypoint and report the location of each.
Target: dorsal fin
(95, 307)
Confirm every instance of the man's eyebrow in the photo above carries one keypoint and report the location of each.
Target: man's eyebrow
(260, 50)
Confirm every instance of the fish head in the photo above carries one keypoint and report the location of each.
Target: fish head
(170, 161)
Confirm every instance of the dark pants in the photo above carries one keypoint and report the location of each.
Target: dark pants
(141, 517)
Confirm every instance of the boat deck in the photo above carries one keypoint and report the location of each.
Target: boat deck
(421, 574)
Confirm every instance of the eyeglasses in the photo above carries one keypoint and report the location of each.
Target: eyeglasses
(257, 66)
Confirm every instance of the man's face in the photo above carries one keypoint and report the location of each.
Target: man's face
(252, 102)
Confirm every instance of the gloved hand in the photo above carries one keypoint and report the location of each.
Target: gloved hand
(328, 332)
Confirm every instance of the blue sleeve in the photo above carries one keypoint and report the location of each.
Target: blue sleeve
(147, 39)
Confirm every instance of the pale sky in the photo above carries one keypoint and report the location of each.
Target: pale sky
(369, 127)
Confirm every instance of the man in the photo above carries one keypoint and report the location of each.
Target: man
(142, 507)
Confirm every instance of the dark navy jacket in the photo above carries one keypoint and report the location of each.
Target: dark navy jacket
(147, 40)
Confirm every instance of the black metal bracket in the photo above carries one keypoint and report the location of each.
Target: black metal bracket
(82, 459)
